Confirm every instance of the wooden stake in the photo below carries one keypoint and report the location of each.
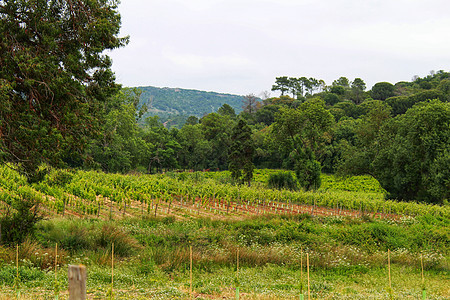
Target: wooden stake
(237, 264)
(389, 266)
(190, 273)
(389, 269)
(421, 262)
(307, 264)
(237, 275)
(110, 210)
(56, 269)
(17, 260)
(112, 270)
(301, 271)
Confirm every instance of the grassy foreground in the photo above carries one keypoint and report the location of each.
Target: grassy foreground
(348, 258)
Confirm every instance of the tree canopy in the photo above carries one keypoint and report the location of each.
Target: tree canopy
(54, 77)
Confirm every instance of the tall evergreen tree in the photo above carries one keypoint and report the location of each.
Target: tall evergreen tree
(241, 153)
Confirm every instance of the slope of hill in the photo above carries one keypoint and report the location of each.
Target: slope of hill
(165, 102)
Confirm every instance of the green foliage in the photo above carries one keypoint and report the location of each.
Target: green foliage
(75, 236)
(55, 78)
(382, 90)
(217, 131)
(342, 81)
(400, 104)
(122, 145)
(226, 110)
(282, 180)
(195, 148)
(241, 153)
(364, 183)
(21, 217)
(59, 177)
(266, 114)
(331, 98)
(413, 160)
(308, 171)
(302, 133)
(358, 87)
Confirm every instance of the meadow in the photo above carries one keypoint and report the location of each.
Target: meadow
(346, 230)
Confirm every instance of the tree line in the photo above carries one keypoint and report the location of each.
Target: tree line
(60, 107)
(402, 138)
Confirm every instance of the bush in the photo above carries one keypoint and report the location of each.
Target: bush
(308, 173)
(76, 235)
(71, 235)
(282, 180)
(124, 243)
(19, 221)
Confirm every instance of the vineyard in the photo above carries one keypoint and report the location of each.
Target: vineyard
(97, 194)
(346, 228)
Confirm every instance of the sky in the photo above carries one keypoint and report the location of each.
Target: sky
(241, 46)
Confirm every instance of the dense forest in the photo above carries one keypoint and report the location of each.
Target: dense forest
(397, 133)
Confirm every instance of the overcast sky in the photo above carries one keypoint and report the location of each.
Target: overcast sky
(240, 46)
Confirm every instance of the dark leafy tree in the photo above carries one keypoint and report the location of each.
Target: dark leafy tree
(120, 147)
(331, 98)
(400, 104)
(266, 114)
(308, 170)
(412, 162)
(227, 110)
(302, 133)
(191, 120)
(342, 81)
(382, 90)
(338, 90)
(195, 149)
(282, 180)
(295, 87)
(162, 146)
(241, 153)
(54, 77)
(357, 88)
(217, 131)
(304, 85)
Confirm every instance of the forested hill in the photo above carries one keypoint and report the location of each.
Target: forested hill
(175, 101)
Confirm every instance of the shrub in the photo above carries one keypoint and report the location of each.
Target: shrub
(72, 235)
(282, 180)
(19, 221)
(124, 243)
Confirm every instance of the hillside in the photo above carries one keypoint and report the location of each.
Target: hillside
(165, 102)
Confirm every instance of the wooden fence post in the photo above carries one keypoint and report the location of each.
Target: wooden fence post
(307, 266)
(190, 272)
(77, 282)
